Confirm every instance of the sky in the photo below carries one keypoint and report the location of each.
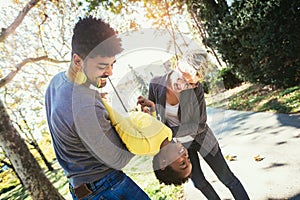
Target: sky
(5, 3)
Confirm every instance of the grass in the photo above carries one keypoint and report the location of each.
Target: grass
(57, 178)
(138, 169)
(249, 97)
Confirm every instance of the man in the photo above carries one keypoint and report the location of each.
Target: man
(86, 146)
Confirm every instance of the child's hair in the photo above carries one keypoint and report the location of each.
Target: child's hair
(168, 176)
(92, 37)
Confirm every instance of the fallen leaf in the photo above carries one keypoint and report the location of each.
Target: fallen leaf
(230, 157)
(258, 158)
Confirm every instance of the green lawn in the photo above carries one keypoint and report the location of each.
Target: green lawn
(140, 170)
(57, 177)
(249, 97)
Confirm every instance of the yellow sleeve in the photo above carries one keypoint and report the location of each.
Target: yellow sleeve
(140, 132)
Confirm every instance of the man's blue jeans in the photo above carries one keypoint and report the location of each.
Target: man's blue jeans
(114, 186)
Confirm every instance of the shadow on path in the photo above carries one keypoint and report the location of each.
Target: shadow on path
(273, 165)
(221, 120)
(246, 122)
(296, 197)
(289, 120)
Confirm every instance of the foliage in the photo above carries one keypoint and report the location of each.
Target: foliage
(230, 79)
(42, 32)
(155, 190)
(213, 82)
(260, 39)
(113, 6)
(8, 180)
(57, 178)
(155, 9)
(135, 14)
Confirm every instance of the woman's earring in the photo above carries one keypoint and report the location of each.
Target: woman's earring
(80, 78)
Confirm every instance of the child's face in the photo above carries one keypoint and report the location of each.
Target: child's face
(178, 156)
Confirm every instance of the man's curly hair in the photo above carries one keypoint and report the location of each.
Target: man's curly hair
(92, 37)
(168, 176)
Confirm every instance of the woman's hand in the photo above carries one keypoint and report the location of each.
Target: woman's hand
(147, 106)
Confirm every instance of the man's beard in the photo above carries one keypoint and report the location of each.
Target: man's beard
(99, 83)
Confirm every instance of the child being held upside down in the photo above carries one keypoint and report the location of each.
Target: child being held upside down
(143, 134)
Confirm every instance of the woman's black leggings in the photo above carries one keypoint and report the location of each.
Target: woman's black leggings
(218, 164)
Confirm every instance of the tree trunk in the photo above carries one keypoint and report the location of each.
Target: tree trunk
(32, 175)
(32, 141)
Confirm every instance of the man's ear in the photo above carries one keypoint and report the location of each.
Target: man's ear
(77, 61)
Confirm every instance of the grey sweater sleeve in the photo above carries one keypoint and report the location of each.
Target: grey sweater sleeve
(94, 129)
(193, 114)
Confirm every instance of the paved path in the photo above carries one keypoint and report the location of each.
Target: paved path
(276, 137)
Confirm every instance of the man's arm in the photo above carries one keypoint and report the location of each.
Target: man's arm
(96, 132)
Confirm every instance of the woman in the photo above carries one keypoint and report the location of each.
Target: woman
(178, 99)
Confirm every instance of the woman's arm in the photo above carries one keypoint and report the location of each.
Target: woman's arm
(147, 105)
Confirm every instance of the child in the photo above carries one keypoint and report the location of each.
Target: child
(143, 134)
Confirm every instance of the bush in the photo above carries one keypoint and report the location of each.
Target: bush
(259, 39)
(230, 79)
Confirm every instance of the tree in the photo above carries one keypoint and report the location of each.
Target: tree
(141, 83)
(25, 165)
(28, 132)
(165, 15)
(258, 39)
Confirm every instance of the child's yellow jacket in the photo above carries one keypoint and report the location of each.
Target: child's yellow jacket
(140, 132)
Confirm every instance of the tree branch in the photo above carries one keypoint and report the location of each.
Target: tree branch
(9, 30)
(12, 74)
(203, 35)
